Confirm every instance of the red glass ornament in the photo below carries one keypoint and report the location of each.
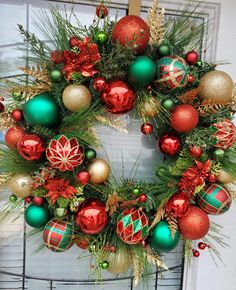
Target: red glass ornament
(92, 216)
(202, 246)
(178, 205)
(74, 41)
(142, 197)
(17, 115)
(37, 200)
(101, 11)
(31, 147)
(192, 57)
(131, 29)
(195, 224)
(196, 253)
(2, 107)
(13, 135)
(226, 134)
(191, 79)
(118, 97)
(169, 144)
(147, 128)
(28, 199)
(195, 151)
(83, 177)
(99, 84)
(184, 118)
(82, 243)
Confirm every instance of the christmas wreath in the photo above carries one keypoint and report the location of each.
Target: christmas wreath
(49, 163)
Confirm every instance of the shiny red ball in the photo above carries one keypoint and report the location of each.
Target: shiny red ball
(202, 246)
(118, 97)
(82, 244)
(143, 197)
(101, 11)
(169, 144)
(99, 84)
(147, 128)
(38, 200)
(192, 57)
(13, 135)
(74, 41)
(195, 224)
(2, 107)
(17, 115)
(28, 199)
(184, 118)
(133, 30)
(195, 151)
(191, 79)
(31, 147)
(178, 205)
(196, 253)
(92, 216)
(83, 177)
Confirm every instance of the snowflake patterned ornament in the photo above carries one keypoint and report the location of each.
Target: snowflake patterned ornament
(65, 154)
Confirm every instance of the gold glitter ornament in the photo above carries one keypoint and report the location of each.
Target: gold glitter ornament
(119, 262)
(224, 177)
(21, 185)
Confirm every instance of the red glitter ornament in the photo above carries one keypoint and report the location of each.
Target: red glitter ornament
(17, 115)
(2, 107)
(195, 151)
(178, 205)
(133, 30)
(226, 134)
(74, 41)
(101, 11)
(99, 84)
(191, 79)
(147, 128)
(92, 216)
(195, 224)
(142, 197)
(118, 97)
(13, 135)
(38, 200)
(196, 253)
(83, 177)
(169, 144)
(31, 147)
(191, 57)
(202, 246)
(184, 118)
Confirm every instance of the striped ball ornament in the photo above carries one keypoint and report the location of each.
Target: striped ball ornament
(172, 73)
(214, 199)
(57, 235)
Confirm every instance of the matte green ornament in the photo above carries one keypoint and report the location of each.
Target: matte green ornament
(142, 71)
(13, 198)
(56, 76)
(219, 154)
(104, 265)
(90, 154)
(41, 110)
(101, 37)
(36, 216)
(163, 50)
(168, 104)
(17, 96)
(161, 239)
(136, 191)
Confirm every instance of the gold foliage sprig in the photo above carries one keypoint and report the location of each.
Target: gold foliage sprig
(173, 224)
(158, 216)
(155, 259)
(155, 20)
(138, 269)
(116, 124)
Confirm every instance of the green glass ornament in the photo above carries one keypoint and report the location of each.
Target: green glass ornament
(36, 216)
(104, 265)
(90, 154)
(17, 96)
(42, 110)
(136, 191)
(142, 71)
(168, 104)
(56, 76)
(163, 50)
(60, 212)
(101, 37)
(219, 154)
(13, 198)
(161, 239)
(199, 63)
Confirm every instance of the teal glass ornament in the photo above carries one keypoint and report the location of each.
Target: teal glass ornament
(101, 37)
(36, 216)
(142, 71)
(42, 110)
(163, 50)
(161, 239)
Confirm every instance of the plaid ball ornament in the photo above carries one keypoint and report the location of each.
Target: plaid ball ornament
(132, 226)
(214, 199)
(57, 235)
(172, 73)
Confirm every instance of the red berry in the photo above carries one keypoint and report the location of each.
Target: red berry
(1, 107)
(101, 11)
(74, 41)
(28, 199)
(147, 128)
(212, 178)
(113, 249)
(37, 200)
(209, 246)
(1, 99)
(144, 243)
(196, 253)
(202, 246)
(142, 197)
(195, 151)
(99, 84)
(83, 177)
(191, 79)
(17, 115)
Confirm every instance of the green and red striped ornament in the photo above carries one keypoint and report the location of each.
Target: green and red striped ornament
(57, 235)
(132, 226)
(172, 73)
(214, 199)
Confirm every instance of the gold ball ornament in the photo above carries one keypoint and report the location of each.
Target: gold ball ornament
(150, 107)
(21, 185)
(119, 262)
(216, 87)
(224, 177)
(76, 98)
(99, 170)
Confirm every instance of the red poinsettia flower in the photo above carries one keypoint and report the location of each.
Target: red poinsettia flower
(57, 187)
(65, 154)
